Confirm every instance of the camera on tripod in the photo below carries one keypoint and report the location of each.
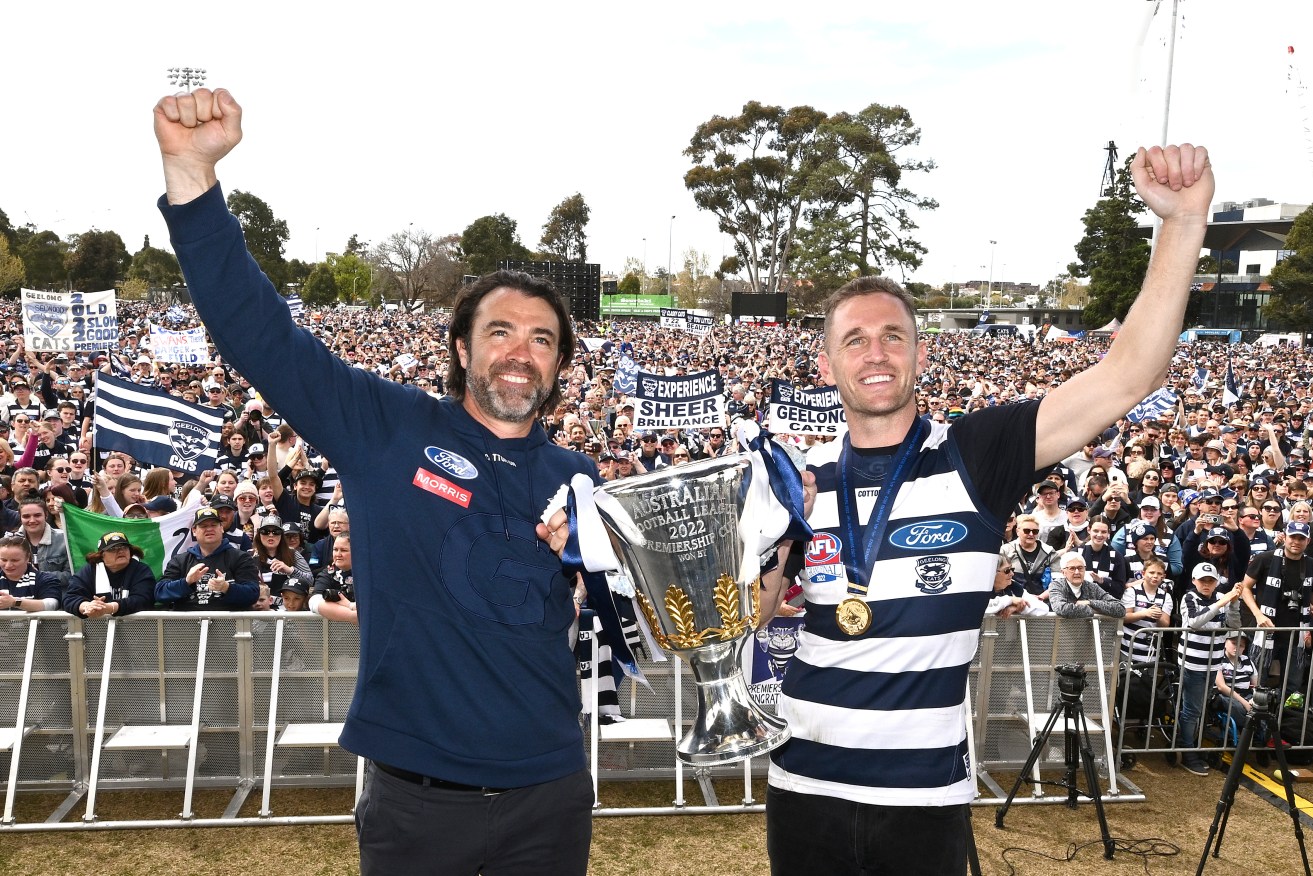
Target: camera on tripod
(1266, 700)
(1071, 681)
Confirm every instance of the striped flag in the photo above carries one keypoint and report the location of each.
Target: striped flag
(296, 305)
(1230, 392)
(154, 427)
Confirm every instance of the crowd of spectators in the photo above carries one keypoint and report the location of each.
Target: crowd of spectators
(1121, 528)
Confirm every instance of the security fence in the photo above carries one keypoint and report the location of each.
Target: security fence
(251, 704)
(1151, 694)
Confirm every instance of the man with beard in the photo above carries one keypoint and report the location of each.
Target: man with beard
(466, 703)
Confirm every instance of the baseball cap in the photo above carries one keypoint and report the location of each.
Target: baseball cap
(1045, 485)
(161, 504)
(647, 436)
(1209, 495)
(1204, 570)
(1237, 634)
(667, 439)
(1297, 527)
(1102, 453)
(205, 515)
(292, 528)
(294, 586)
(222, 501)
(1077, 503)
(1150, 502)
(1218, 532)
(111, 540)
(257, 449)
(270, 521)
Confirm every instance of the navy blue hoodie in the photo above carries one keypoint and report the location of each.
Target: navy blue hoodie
(465, 668)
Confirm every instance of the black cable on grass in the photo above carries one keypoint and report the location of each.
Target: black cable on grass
(1144, 849)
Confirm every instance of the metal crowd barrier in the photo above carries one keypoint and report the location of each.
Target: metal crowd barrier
(251, 703)
(1150, 695)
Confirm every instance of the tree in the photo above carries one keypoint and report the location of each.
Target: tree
(320, 288)
(353, 275)
(751, 172)
(629, 284)
(133, 289)
(158, 268)
(97, 261)
(12, 272)
(489, 240)
(695, 282)
(266, 235)
(43, 255)
(1291, 304)
(1113, 254)
(564, 237)
(355, 246)
(7, 230)
(859, 221)
(415, 266)
(298, 272)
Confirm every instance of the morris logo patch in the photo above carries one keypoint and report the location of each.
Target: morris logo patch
(188, 439)
(452, 463)
(932, 574)
(928, 535)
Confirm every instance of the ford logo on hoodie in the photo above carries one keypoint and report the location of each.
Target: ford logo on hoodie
(452, 463)
(928, 535)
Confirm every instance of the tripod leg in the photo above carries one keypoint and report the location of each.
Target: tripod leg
(1036, 750)
(1071, 752)
(1218, 828)
(1092, 783)
(1290, 789)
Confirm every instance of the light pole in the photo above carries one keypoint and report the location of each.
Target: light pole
(670, 249)
(989, 294)
(644, 258)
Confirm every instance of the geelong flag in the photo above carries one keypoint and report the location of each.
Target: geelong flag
(296, 306)
(154, 427)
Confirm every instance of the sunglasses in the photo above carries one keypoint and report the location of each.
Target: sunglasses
(1275, 509)
(63, 469)
(1229, 507)
(1248, 516)
(1029, 531)
(271, 532)
(1219, 541)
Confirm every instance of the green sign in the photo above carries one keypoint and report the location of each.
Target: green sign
(635, 305)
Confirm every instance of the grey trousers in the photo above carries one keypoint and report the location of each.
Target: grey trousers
(406, 829)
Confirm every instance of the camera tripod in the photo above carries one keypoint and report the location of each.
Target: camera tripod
(1264, 715)
(1077, 752)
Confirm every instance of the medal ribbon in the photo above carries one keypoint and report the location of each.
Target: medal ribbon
(860, 564)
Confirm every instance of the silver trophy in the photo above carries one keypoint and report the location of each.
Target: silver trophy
(679, 541)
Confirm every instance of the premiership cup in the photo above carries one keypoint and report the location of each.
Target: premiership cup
(679, 542)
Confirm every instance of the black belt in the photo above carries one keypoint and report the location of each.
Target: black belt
(431, 782)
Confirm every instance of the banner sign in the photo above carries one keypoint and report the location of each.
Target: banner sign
(674, 318)
(797, 411)
(626, 375)
(692, 401)
(700, 323)
(188, 347)
(67, 322)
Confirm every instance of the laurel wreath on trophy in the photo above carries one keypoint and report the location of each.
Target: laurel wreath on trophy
(680, 609)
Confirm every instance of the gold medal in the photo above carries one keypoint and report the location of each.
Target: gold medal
(853, 616)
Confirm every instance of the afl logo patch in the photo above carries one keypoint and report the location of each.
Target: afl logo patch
(453, 464)
(932, 574)
(928, 535)
(822, 550)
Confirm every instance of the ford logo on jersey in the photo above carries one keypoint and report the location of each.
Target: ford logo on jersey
(453, 464)
(928, 535)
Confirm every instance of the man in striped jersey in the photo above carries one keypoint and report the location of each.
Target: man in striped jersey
(1203, 649)
(908, 519)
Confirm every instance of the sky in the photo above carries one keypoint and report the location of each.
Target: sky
(369, 119)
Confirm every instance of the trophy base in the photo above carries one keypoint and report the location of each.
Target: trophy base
(729, 726)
